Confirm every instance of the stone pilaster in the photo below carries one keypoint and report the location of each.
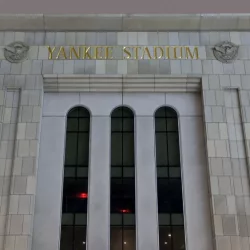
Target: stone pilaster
(20, 115)
(225, 102)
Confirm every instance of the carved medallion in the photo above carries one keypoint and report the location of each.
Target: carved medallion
(225, 52)
(16, 52)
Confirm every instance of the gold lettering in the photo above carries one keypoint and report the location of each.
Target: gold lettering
(175, 52)
(98, 52)
(126, 52)
(50, 51)
(129, 52)
(72, 49)
(136, 48)
(156, 54)
(108, 54)
(86, 52)
(195, 53)
(61, 51)
(146, 51)
(167, 53)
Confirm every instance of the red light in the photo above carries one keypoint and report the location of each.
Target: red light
(82, 195)
(124, 210)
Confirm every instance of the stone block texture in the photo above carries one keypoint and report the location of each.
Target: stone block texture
(226, 106)
(20, 109)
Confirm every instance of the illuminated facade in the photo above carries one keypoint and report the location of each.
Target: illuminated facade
(125, 132)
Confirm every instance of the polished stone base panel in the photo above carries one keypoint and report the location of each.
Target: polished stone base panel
(212, 100)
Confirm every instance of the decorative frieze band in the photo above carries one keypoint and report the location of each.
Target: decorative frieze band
(17, 52)
(121, 83)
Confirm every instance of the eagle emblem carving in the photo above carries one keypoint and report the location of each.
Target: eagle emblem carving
(225, 52)
(16, 52)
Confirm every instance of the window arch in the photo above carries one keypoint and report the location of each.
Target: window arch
(122, 201)
(169, 185)
(75, 186)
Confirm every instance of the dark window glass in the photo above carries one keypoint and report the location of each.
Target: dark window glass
(75, 186)
(122, 200)
(169, 186)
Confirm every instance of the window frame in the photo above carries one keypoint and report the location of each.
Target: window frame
(169, 225)
(76, 215)
(122, 226)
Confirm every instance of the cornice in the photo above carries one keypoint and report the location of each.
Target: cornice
(121, 83)
(124, 22)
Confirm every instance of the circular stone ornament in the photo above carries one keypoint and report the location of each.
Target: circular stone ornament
(225, 52)
(16, 52)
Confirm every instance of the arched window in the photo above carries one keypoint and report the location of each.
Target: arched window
(122, 201)
(169, 186)
(75, 187)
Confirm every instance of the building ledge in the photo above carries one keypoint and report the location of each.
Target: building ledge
(124, 22)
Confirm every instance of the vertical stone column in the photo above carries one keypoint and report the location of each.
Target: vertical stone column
(99, 185)
(146, 201)
(47, 220)
(20, 109)
(228, 168)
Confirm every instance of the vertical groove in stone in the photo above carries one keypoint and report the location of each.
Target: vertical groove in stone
(247, 153)
(234, 95)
